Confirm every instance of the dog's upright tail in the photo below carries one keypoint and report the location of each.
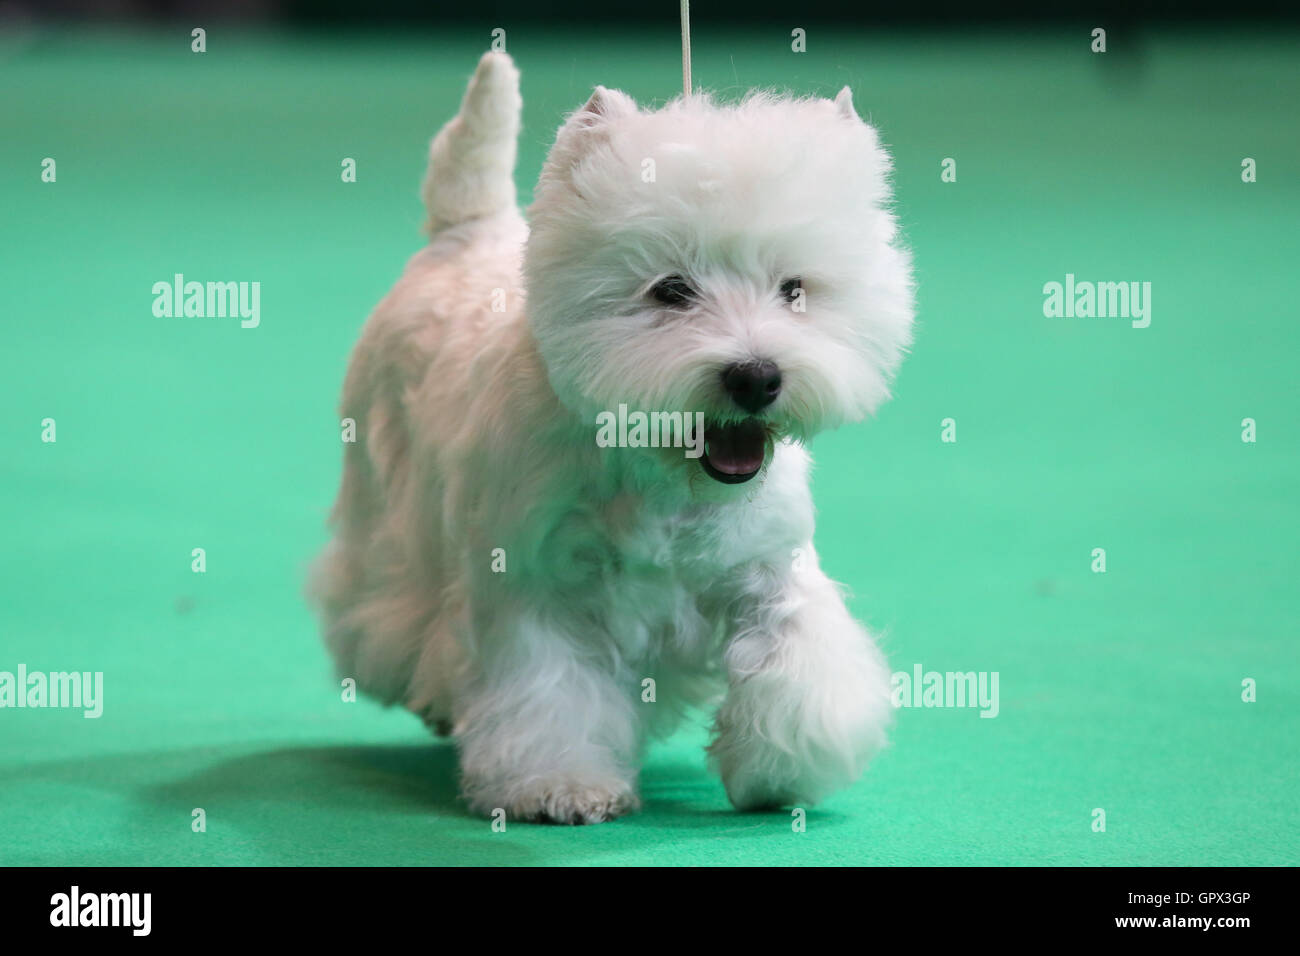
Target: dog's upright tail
(472, 159)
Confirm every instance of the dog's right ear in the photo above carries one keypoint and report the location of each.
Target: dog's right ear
(584, 130)
(605, 105)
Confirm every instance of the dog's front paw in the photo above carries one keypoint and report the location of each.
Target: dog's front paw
(760, 779)
(753, 793)
(777, 745)
(562, 800)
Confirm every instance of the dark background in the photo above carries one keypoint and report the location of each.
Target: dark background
(587, 13)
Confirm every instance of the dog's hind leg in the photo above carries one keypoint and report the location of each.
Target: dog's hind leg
(380, 588)
(387, 588)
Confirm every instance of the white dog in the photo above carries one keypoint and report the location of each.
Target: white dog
(552, 603)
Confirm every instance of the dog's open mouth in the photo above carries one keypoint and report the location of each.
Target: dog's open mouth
(733, 453)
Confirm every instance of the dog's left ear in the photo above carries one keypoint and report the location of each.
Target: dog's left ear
(844, 105)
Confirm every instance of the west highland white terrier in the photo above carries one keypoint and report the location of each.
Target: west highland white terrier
(555, 590)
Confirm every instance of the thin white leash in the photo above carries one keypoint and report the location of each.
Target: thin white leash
(686, 47)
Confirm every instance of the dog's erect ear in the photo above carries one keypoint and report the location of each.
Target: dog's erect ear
(844, 103)
(584, 129)
(604, 105)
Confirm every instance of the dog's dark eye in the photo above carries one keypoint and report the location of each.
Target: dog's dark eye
(673, 292)
(790, 288)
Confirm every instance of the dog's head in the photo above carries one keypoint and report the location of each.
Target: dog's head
(737, 261)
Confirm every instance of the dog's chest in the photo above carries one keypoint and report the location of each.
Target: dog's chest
(661, 583)
(657, 576)
(685, 547)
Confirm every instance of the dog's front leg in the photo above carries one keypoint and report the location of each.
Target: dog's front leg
(544, 730)
(809, 696)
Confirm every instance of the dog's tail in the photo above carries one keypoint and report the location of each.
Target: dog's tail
(472, 159)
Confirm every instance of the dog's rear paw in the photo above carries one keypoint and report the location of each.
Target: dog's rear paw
(565, 801)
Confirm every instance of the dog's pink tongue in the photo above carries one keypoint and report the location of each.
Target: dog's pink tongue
(735, 449)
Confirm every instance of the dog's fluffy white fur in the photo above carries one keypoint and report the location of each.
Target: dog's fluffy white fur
(476, 432)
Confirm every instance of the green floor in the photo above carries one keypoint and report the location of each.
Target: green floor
(1120, 691)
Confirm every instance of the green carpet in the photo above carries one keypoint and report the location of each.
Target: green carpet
(1119, 691)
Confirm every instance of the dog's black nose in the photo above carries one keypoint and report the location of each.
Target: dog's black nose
(754, 385)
